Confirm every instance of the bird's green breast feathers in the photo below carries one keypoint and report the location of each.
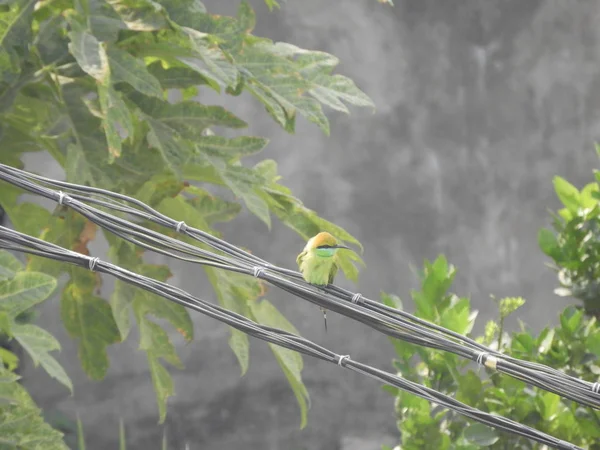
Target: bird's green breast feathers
(317, 269)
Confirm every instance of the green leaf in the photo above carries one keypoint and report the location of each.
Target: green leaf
(491, 329)
(588, 195)
(104, 22)
(9, 265)
(213, 209)
(550, 405)
(290, 361)
(458, 316)
(209, 60)
(86, 161)
(80, 434)
(567, 194)
(243, 182)
(163, 385)
(29, 218)
(238, 342)
(258, 207)
(90, 54)
(231, 149)
(38, 343)
(155, 341)
(175, 77)
(345, 258)
(330, 90)
(173, 150)
(547, 242)
(161, 308)
(120, 302)
(271, 4)
(140, 15)
(22, 427)
(294, 214)
(133, 71)
(509, 305)
(593, 343)
(571, 319)
(25, 290)
(15, 26)
(235, 292)
(116, 117)
(188, 118)
(278, 85)
(11, 391)
(9, 359)
(89, 319)
(393, 301)
(469, 388)
(480, 434)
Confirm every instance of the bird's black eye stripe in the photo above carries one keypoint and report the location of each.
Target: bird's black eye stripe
(325, 246)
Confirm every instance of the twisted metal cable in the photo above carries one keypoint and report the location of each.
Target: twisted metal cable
(16, 241)
(390, 321)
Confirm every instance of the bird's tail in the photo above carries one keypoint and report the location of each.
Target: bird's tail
(325, 318)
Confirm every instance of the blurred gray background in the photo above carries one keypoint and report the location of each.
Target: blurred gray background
(479, 105)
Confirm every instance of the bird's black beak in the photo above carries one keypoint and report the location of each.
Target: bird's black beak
(342, 246)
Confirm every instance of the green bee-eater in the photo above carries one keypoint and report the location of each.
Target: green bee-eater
(318, 261)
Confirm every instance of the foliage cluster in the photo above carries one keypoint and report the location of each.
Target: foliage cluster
(110, 90)
(575, 244)
(573, 346)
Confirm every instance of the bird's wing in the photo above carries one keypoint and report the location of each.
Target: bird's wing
(300, 257)
(332, 272)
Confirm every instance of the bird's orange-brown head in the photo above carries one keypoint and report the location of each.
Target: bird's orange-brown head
(324, 244)
(324, 239)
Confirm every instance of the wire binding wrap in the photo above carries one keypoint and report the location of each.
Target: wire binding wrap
(487, 360)
(181, 227)
(480, 358)
(258, 271)
(61, 197)
(342, 359)
(92, 263)
(356, 298)
(596, 388)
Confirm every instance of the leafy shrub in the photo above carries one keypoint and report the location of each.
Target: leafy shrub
(21, 422)
(575, 245)
(573, 347)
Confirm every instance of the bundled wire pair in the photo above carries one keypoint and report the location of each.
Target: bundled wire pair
(390, 321)
(15, 241)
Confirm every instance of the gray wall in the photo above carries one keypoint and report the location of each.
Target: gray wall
(479, 105)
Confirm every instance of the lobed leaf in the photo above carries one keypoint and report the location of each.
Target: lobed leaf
(9, 265)
(24, 290)
(15, 32)
(89, 319)
(90, 54)
(38, 343)
(133, 71)
(24, 427)
(567, 194)
(289, 360)
(117, 118)
(140, 15)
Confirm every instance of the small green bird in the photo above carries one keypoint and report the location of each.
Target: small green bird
(318, 261)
